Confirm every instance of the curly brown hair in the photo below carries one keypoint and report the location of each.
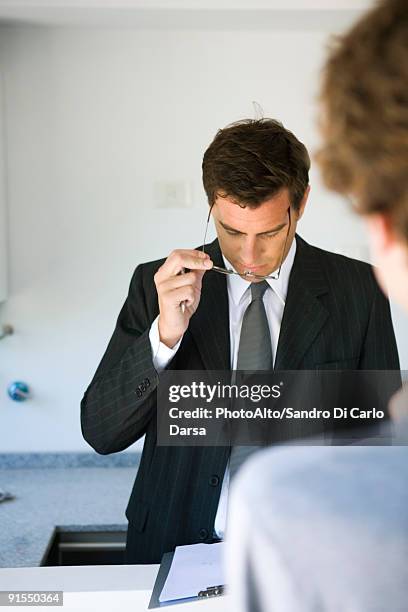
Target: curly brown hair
(251, 160)
(364, 123)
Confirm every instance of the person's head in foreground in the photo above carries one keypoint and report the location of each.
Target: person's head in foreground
(364, 104)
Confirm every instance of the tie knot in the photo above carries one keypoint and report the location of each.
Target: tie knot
(258, 289)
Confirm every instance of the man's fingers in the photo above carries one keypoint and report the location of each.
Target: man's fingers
(192, 260)
(181, 280)
(178, 282)
(195, 252)
(188, 294)
(179, 260)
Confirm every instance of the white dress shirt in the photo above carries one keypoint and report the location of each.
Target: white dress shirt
(239, 297)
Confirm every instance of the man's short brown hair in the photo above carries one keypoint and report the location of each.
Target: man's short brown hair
(251, 160)
(365, 114)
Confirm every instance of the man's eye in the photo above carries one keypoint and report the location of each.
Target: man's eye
(232, 233)
(270, 235)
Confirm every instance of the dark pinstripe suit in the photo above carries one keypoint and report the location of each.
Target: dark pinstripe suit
(335, 317)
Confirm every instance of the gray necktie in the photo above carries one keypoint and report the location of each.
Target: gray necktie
(254, 353)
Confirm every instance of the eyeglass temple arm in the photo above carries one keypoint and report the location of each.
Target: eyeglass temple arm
(206, 227)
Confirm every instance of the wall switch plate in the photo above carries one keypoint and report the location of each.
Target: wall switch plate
(172, 194)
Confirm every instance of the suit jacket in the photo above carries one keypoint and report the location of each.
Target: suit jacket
(335, 317)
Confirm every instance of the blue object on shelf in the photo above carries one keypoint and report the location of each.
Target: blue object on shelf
(18, 391)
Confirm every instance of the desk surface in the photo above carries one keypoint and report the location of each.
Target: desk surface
(98, 587)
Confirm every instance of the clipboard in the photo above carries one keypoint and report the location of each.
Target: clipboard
(165, 565)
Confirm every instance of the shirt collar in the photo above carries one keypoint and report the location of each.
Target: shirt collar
(237, 286)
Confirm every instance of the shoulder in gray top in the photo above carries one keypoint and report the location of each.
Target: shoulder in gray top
(321, 528)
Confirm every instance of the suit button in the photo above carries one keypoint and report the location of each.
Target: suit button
(203, 534)
(214, 481)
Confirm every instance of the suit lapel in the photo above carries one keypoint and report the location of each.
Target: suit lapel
(209, 325)
(304, 315)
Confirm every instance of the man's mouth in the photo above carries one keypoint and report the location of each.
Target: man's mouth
(250, 268)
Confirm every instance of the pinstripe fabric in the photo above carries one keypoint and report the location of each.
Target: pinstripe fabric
(335, 317)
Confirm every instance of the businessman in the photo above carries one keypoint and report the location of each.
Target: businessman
(327, 528)
(310, 309)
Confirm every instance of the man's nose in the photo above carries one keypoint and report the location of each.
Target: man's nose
(250, 252)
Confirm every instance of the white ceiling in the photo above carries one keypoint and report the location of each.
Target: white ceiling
(292, 14)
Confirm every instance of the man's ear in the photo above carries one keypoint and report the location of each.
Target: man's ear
(303, 203)
(381, 231)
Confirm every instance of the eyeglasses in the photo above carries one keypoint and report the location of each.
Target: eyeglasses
(248, 274)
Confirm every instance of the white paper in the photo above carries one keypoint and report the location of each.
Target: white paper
(194, 568)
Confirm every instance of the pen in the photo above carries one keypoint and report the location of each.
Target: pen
(183, 303)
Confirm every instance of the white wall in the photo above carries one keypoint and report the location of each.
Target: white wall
(3, 209)
(94, 117)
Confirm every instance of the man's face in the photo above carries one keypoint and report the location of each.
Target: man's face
(254, 238)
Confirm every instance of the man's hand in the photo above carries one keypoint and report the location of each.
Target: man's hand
(173, 288)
